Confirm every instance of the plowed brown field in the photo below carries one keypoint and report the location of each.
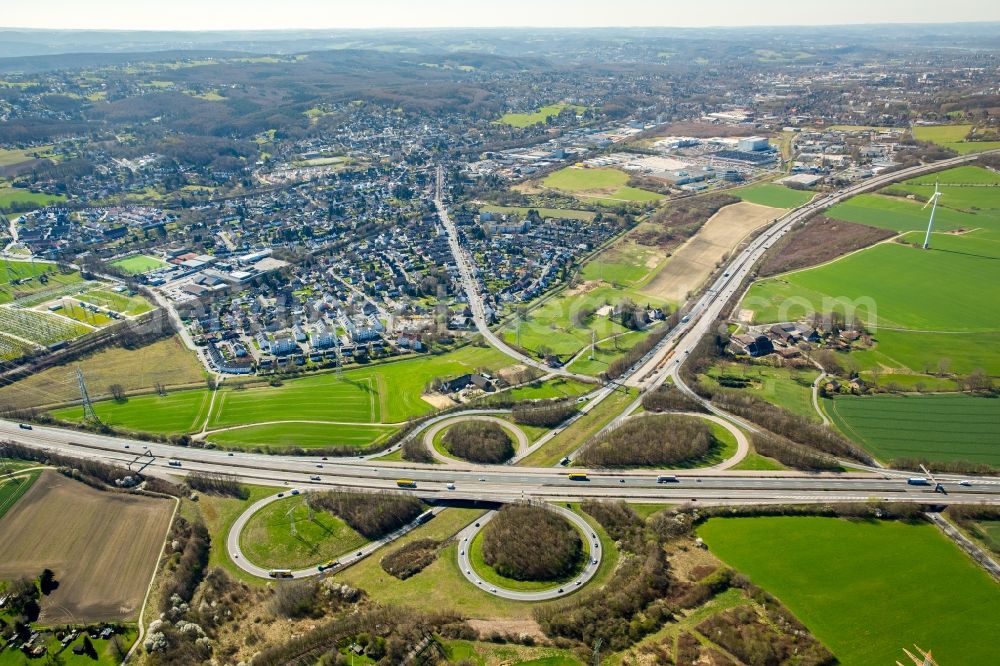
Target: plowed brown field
(102, 546)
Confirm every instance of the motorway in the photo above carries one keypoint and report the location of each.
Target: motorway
(504, 483)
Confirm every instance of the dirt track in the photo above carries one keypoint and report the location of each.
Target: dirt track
(694, 261)
(102, 547)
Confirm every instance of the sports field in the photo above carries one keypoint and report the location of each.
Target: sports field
(119, 302)
(287, 534)
(936, 427)
(868, 589)
(604, 185)
(140, 263)
(694, 261)
(954, 137)
(102, 546)
(301, 435)
(775, 196)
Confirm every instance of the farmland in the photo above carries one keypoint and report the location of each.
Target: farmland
(12, 489)
(898, 214)
(102, 547)
(954, 137)
(11, 348)
(30, 278)
(536, 117)
(301, 435)
(164, 362)
(694, 261)
(604, 186)
(140, 263)
(775, 196)
(389, 393)
(288, 534)
(855, 585)
(13, 199)
(936, 427)
(39, 327)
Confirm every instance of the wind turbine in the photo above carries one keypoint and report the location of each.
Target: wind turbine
(932, 202)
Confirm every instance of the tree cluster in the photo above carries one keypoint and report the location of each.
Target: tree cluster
(650, 441)
(547, 415)
(620, 365)
(411, 558)
(526, 542)
(373, 515)
(789, 453)
(217, 483)
(669, 398)
(479, 442)
(945, 466)
(187, 561)
(620, 521)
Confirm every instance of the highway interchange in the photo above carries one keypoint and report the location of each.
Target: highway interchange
(507, 483)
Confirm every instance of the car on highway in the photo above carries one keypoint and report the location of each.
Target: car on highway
(24, 426)
(296, 491)
(314, 478)
(230, 454)
(173, 462)
(281, 494)
(965, 482)
(450, 486)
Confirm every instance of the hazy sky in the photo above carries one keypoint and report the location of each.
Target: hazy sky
(263, 14)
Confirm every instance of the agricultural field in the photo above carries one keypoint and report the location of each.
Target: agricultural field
(775, 196)
(12, 156)
(603, 186)
(694, 261)
(39, 327)
(165, 362)
(388, 393)
(788, 388)
(13, 199)
(901, 215)
(30, 276)
(859, 585)
(102, 546)
(301, 435)
(11, 348)
(140, 263)
(12, 489)
(626, 263)
(119, 302)
(288, 534)
(175, 413)
(936, 427)
(954, 137)
(536, 117)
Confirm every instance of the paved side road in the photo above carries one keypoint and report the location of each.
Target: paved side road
(974, 551)
(345, 560)
(594, 555)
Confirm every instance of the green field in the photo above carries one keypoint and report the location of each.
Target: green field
(893, 285)
(936, 427)
(769, 194)
(25, 199)
(868, 589)
(388, 393)
(287, 534)
(39, 327)
(12, 489)
(74, 310)
(11, 156)
(536, 117)
(121, 303)
(606, 352)
(108, 653)
(788, 388)
(953, 136)
(898, 214)
(140, 263)
(29, 277)
(604, 185)
(512, 654)
(301, 435)
(175, 413)
(558, 387)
